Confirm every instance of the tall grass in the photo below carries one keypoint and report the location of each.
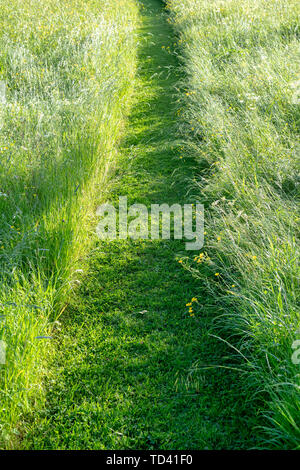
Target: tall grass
(67, 68)
(240, 117)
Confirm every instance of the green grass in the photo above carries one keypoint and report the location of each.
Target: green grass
(210, 91)
(240, 119)
(67, 67)
(127, 373)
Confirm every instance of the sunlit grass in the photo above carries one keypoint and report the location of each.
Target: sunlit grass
(240, 115)
(67, 67)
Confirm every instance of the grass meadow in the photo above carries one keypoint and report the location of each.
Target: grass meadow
(67, 68)
(240, 115)
(136, 344)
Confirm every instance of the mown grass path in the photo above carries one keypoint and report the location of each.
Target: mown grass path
(125, 379)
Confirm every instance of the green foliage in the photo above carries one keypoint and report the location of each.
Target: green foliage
(133, 363)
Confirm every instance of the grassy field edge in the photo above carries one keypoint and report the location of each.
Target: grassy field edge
(45, 256)
(240, 120)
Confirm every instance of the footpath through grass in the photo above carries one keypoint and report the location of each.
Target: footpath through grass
(124, 375)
